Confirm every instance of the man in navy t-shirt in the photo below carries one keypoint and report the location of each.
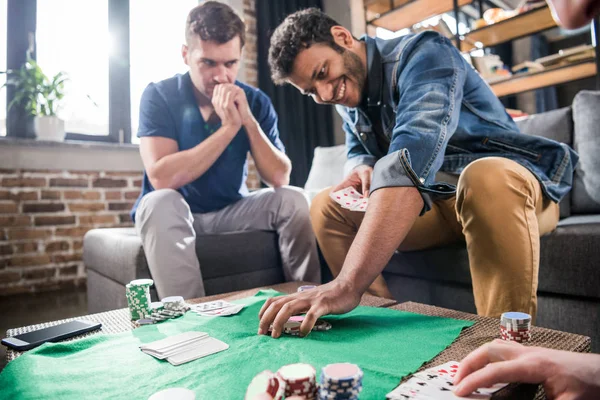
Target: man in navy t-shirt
(196, 130)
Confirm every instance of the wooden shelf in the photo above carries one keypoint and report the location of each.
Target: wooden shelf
(406, 13)
(555, 76)
(528, 23)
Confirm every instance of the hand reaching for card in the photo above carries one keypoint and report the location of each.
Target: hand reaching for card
(359, 179)
(565, 375)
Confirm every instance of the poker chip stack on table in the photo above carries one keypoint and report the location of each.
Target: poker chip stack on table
(340, 381)
(515, 327)
(138, 298)
(268, 383)
(143, 312)
(300, 380)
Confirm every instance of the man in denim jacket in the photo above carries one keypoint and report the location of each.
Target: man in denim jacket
(415, 110)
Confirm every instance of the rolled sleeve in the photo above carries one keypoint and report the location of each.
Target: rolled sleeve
(430, 87)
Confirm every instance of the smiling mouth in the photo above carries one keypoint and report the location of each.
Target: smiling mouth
(341, 90)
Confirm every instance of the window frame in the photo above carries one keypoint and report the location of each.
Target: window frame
(21, 26)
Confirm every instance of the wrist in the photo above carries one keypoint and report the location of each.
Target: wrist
(231, 128)
(250, 124)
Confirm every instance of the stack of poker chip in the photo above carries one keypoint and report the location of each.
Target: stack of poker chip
(300, 380)
(340, 381)
(138, 298)
(515, 327)
(266, 383)
(169, 307)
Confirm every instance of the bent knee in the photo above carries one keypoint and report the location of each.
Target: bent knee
(161, 201)
(293, 197)
(493, 175)
(320, 203)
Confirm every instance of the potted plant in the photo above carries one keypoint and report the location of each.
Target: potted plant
(40, 97)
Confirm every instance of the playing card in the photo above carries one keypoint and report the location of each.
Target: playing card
(402, 392)
(223, 312)
(350, 199)
(437, 390)
(443, 376)
(173, 341)
(211, 305)
(204, 348)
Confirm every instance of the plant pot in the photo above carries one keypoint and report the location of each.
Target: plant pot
(49, 128)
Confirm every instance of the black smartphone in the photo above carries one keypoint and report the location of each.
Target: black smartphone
(29, 340)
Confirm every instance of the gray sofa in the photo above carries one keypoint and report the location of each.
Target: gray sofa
(229, 262)
(569, 284)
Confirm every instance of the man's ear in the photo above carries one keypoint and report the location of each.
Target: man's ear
(342, 36)
(184, 53)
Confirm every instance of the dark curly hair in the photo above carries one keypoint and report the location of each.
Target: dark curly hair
(298, 32)
(214, 21)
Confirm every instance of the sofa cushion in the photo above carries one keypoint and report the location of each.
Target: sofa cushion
(556, 125)
(232, 261)
(567, 260)
(327, 169)
(586, 187)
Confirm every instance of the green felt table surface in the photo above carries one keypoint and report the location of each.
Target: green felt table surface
(387, 344)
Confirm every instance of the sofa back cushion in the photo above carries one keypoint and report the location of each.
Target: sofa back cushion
(556, 125)
(586, 186)
(327, 168)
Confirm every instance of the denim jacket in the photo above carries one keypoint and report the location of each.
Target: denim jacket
(437, 114)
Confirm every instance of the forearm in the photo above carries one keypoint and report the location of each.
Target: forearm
(273, 165)
(389, 217)
(178, 169)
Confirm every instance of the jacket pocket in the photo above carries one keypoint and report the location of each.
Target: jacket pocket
(511, 148)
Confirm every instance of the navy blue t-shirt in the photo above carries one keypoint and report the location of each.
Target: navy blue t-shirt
(169, 109)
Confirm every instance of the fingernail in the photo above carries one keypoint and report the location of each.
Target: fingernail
(260, 331)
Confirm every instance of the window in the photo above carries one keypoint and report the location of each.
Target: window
(157, 31)
(72, 36)
(3, 42)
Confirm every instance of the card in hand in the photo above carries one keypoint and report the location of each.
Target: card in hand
(350, 199)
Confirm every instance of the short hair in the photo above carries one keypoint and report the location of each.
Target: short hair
(298, 32)
(214, 21)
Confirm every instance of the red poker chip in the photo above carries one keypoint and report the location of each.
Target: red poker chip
(265, 382)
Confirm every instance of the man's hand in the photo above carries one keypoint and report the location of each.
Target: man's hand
(565, 375)
(223, 101)
(359, 178)
(335, 297)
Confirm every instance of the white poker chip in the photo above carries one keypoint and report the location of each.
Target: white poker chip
(145, 321)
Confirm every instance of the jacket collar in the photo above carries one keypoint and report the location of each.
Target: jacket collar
(374, 81)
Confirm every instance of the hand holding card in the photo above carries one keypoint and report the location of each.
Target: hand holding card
(350, 199)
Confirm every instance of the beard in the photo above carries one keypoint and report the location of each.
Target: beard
(355, 70)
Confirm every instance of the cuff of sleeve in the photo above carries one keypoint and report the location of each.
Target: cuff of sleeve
(390, 171)
(354, 162)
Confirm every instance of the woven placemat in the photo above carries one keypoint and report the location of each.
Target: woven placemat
(487, 329)
(118, 321)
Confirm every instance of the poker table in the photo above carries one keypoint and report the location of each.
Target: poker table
(482, 331)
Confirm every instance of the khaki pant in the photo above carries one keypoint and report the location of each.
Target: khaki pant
(499, 211)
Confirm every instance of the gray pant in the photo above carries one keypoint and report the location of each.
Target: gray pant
(168, 230)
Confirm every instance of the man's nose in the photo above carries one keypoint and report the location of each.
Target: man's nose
(221, 75)
(325, 91)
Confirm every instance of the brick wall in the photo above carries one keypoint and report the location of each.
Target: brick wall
(251, 67)
(43, 217)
